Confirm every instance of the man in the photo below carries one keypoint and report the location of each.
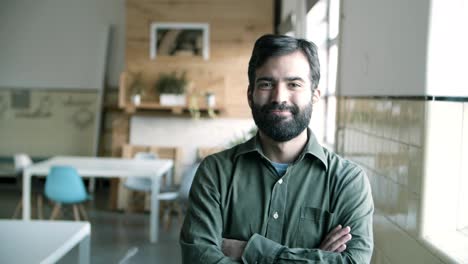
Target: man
(279, 197)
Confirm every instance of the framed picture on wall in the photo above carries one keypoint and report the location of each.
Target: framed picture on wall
(179, 39)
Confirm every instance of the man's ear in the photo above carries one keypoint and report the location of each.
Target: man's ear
(315, 95)
(250, 96)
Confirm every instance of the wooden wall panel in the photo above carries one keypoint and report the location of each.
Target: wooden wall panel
(234, 27)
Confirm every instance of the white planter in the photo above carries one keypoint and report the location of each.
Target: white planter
(136, 99)
(210, 100)
(173, 99)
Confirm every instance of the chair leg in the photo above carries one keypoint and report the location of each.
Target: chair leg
(40, 215)
(172, 207)
(55, 211)
(180, 213)
(76, 213)
(129, 205)
(135, 202)
(161, 210)
(18, 208)
(167, 218)
(83, 212)
(163, 214)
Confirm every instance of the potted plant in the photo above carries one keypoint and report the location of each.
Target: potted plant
(210, 99)
(137, 89)
(171, 88)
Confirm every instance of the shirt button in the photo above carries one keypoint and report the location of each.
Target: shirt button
(280, 181)
(275, 215)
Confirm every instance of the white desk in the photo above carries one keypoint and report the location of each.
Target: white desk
(105, 168)
(43, 241)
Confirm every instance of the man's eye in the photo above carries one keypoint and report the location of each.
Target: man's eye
(295, 85)
(264, 85)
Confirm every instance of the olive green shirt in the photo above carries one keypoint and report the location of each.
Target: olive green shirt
(238, 194)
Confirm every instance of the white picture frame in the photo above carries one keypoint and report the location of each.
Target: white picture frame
(179, 39)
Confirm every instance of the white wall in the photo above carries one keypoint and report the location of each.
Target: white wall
(189, 134)
(56, 44)
(404, 48)
(383, 47)
(56, 123)
(448, 52)
(59, 43)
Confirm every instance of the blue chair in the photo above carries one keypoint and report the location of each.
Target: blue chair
(65, 186)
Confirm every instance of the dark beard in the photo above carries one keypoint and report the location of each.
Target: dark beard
(277, 127)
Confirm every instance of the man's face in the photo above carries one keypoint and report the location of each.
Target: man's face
(281, 99)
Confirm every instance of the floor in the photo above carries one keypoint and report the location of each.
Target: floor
(114, 235)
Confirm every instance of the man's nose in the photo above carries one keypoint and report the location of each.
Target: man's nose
(280, 93)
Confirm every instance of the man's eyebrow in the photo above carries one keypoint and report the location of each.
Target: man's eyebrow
(291, 79)
(263, 79)
(271, 79)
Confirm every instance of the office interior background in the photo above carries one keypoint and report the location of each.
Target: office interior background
(394, 100)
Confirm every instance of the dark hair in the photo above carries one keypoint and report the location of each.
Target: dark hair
(276, 45)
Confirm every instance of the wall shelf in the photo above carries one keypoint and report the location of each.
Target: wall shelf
(151, 106)
(156, 108)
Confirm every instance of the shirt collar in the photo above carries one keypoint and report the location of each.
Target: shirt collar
(312, 148)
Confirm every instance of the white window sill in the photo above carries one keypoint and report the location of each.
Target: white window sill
(452, 246)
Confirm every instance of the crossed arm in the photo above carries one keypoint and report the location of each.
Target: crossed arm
(202, 242)
(335, 241)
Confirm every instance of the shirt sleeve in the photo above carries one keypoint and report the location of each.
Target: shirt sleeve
(201, 235)
(354, 208)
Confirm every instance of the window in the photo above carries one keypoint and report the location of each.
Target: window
(445, 188)
(323, 29)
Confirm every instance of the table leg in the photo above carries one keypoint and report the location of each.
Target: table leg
(84, 251)
(26, 195)
(91, 185)
(154, 211)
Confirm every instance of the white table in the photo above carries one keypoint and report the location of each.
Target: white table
(43, 241)
(105, 168)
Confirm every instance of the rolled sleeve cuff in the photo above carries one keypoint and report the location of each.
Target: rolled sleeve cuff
(260, 249)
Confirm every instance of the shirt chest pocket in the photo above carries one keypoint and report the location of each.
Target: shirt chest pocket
(312, 227)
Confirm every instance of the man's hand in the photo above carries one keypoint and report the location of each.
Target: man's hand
(233, 248)
(336, 240)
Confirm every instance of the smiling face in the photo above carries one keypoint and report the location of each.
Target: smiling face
(281, 99)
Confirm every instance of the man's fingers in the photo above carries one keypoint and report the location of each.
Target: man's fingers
(334, 230)
(340, 242)
(334, 236)
(341, 248)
